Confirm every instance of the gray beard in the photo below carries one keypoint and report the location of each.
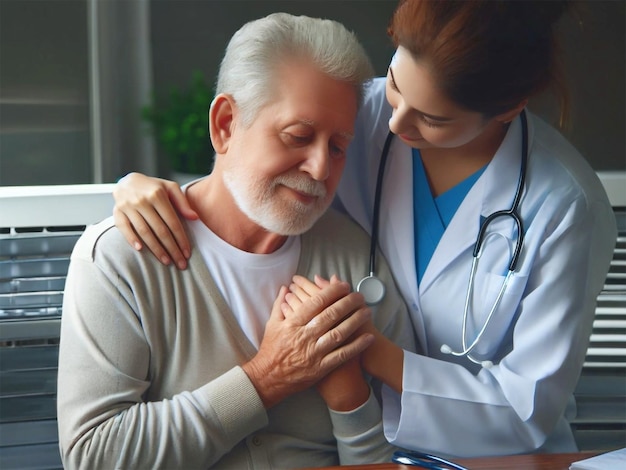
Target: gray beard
(257, 199)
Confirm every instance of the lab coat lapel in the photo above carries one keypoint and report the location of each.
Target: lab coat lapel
(396, 222)
(493, 191)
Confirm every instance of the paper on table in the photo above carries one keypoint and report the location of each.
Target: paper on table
(608, 461)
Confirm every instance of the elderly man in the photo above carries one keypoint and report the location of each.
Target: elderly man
(162, 368)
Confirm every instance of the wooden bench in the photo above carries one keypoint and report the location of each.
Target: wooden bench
(38, 229)
(33, 263)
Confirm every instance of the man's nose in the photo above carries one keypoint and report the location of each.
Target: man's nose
(317, 163)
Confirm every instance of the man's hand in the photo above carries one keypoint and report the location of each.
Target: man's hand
(345, 388)
(300, 348)
(145, 213)
(383, 359)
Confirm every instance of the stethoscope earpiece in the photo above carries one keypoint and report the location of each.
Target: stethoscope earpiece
(445, 349)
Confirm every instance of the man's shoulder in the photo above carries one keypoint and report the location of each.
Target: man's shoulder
(335, 217)
(101, 237)
(338, 227)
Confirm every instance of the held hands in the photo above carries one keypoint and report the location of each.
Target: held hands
(145, 211)
(344, 388)
(383, 360)
(315, 338)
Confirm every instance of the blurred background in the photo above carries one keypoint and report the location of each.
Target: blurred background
(83, 82)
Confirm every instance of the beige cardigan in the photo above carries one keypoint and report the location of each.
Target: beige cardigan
(149, 372)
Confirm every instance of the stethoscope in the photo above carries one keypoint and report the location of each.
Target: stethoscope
(373, 289)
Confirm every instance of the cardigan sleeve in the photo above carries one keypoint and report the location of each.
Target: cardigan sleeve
(359, 433)
(104, 361)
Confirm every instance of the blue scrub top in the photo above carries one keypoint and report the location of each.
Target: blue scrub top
(431, 216)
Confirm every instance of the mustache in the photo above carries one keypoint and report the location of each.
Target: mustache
(302, 184)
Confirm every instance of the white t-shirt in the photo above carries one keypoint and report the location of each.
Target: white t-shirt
(249, 282)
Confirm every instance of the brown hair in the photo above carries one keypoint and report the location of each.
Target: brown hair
(486, 55)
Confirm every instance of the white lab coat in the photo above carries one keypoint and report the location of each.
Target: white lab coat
(537, 339)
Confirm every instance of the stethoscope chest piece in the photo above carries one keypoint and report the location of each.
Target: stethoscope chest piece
(372, 288)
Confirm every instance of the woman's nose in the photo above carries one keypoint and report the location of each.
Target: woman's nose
(400, 120)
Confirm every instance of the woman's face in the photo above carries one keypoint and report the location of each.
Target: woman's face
(423, 117)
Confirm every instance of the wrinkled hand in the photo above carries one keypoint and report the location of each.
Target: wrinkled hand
(316, 337)
(145, 211)
(383, 360)
(344, 388)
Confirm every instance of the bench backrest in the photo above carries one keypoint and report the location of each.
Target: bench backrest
(33, 265)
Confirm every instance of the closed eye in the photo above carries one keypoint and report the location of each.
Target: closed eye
(392, 81)
(336, 151)
(429, 122)
(295, 140)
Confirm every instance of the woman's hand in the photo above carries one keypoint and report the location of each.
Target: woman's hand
(383, 359)
(145, 213)
(317, 336)
(344, 388)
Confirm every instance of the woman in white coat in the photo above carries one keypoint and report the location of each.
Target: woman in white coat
(454, 98)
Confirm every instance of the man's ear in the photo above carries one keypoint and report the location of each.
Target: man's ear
(222, 121)
(508, 116)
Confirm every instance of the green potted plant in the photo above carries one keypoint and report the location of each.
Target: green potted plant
(180, 124)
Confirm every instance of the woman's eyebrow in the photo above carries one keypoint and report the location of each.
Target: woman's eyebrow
(429, 116)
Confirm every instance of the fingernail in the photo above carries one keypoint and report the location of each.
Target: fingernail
(182, 265)
(137, 246)
(165, 260)
(187, 254)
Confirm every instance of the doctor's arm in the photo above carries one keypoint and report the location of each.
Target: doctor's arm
(147, 211)
(514, 406)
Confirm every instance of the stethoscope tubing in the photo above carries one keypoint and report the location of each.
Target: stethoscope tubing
(512, 212)
(371, 286)
(377, 199)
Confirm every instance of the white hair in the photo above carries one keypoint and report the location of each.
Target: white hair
(248, 69)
